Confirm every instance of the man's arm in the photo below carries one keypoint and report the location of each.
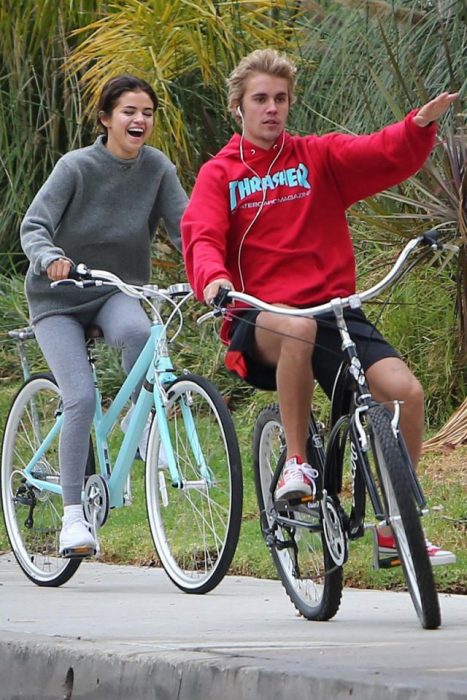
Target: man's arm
(434, 109)
(213, 288)
(365, 165)
(205, 225)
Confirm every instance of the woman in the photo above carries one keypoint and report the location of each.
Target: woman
(100, 206)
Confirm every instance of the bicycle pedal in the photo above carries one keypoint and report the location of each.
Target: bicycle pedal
(306, 499)
(379, 562)
(78, 552)
(293, 503)
(387, 562)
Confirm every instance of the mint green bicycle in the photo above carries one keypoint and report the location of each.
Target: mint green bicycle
(193, 494)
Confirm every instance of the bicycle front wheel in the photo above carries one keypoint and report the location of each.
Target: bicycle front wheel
(299, 551)
(33, 516)
(403, 516)
(195, 523)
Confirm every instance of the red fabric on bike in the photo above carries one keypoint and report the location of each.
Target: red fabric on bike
(235, 362)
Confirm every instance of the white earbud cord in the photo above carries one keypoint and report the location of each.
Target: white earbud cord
(260, 208)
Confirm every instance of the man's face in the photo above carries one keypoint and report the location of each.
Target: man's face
(265, 107)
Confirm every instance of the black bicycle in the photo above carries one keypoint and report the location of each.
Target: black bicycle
(362, 456)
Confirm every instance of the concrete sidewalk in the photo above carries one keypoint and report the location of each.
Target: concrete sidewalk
(125, 632)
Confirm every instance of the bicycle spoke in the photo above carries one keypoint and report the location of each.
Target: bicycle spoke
(304, 566)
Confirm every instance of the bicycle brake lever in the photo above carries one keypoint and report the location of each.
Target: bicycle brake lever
(66, 282)
(210, 314)
(82, 284)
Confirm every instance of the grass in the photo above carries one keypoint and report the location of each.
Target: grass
(125, 538)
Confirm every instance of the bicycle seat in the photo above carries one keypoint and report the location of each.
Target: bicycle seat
(93, 332)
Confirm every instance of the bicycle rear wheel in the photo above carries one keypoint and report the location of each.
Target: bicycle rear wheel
(403, 516)
(33, 517)
(305, 567)
(195, 527)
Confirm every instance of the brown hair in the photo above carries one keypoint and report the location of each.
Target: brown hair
(267, 61)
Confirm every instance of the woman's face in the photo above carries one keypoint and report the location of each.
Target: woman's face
(129, 125)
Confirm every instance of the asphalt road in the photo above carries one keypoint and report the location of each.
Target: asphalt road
(125, 632)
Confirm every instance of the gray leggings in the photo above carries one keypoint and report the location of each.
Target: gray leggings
(125, 325)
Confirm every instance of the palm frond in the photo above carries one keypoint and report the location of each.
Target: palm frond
(185, 50)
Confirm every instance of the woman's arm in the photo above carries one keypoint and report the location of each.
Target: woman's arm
(173, 203)
(43, 217)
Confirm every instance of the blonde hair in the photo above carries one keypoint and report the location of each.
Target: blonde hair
(267, 61)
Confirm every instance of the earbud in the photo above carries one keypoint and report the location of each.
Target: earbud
(239, 112)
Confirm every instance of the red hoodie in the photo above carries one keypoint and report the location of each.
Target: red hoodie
(299, 251)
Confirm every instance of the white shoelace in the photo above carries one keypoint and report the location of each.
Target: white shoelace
(310, 471)
(298, 471)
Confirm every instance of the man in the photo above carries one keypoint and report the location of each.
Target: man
(267, 216)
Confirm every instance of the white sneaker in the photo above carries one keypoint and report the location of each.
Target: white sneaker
(297, 480)
(144, 439)
(76, 539)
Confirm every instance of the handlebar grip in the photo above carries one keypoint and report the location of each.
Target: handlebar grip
(431, 238)
(79, 272)
(221, 300)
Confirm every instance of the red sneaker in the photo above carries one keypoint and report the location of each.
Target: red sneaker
(297, 480)
(437, 556)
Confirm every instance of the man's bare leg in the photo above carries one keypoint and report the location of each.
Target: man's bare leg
(390, 379)
(288, 343)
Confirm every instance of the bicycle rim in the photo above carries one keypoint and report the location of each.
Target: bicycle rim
(312, 582)
(33, 516)
(195, 528)
(404, 518)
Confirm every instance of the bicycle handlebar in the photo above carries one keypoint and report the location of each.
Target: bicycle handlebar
(430, 240)
(82, 276)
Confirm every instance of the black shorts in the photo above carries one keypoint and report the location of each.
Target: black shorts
(327, 355)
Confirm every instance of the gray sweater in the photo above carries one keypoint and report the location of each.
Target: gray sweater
(103, 211)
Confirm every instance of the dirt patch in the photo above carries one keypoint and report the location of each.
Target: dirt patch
(448, 465)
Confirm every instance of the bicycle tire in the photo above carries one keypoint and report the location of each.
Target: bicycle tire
(195, 529)
(33, 518)
(391, 465)
(311, 579)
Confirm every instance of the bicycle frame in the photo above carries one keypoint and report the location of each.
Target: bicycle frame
(341, 403)
(345, 409)
(192, 477)
(149, 395)
(154, 368)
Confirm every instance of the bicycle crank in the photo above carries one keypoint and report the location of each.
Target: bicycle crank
(96, 503)
(334, 534)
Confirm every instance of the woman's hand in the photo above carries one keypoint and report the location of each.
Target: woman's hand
(434, 109)
(59, 269)
(213, 288)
